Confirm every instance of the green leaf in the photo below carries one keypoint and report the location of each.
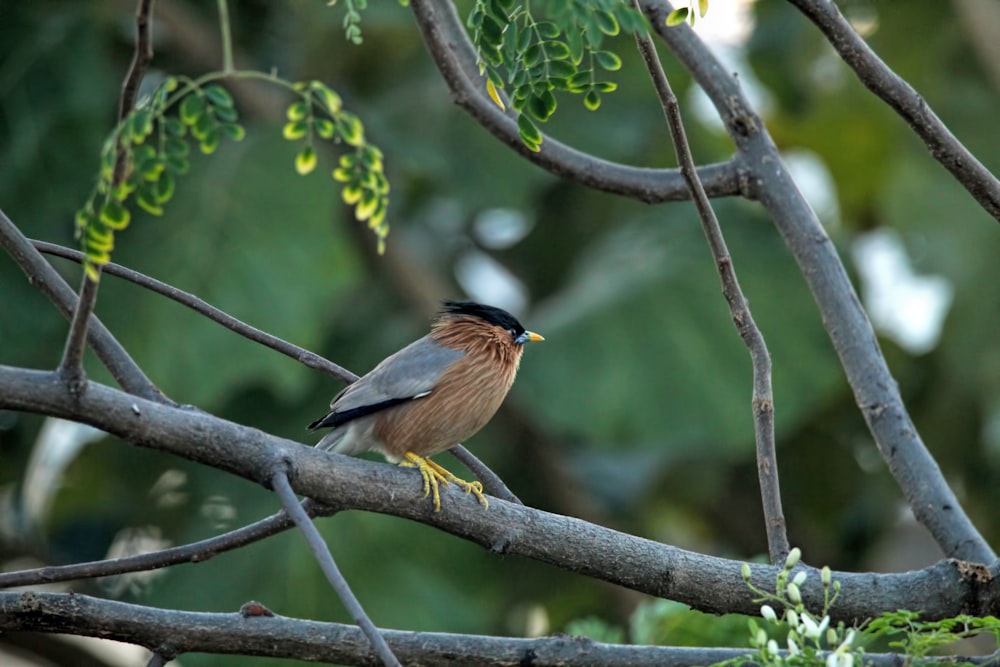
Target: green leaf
(176, 147)
(305, 160)
(142, 125)
(146, 198)
(175, 127)
(218, 96)
(533, 56)
(294, 130)
(677, 16)
(331, 100)
(592, 100)
(574, 40)
(100, 238)
(561, 69)
(523, 40)
(607, 23)
(297, 110)
(608, 60)
(542, 106)
(605, 86)
(191, 109)
(529, 133)
(210, 142)
(351, 193)
(165, 188)
(204, 126)
(233, 131)
(227, 114)
(115, 215)
(548, 29)
(702, 7)
(177, 165)
(556, 50)
(350, 129)
(324, 127)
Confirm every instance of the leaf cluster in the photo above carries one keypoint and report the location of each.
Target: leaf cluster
(319, 113)
(145, 153)
(554, 46)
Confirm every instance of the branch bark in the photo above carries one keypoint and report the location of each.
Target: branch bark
(710, 584)
(283, 637)
(875, 390)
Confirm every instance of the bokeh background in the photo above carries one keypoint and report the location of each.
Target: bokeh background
(635, 412)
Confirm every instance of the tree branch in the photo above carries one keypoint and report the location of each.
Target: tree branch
(875, 391)
(284, 637)
(454, 56)
(195, 552)
(763, 398)
(714, 585)
(905, 101)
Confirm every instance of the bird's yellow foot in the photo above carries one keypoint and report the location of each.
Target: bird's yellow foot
(434, 474)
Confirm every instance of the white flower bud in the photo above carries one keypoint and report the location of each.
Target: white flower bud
(831, 636)
(826, 576)
(799, 578)
(772, 647)
(792, 618)
(794, 556)
(794, 594)
(809, 628)
(745, 571)
(793, 648)
(767, 611)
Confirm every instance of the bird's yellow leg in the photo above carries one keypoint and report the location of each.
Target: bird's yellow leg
(434, 474)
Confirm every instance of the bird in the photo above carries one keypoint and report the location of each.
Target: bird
(432, 394)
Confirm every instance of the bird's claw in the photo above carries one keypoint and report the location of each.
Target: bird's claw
(433, 475)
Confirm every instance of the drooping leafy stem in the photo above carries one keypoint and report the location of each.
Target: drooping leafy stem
(365, 185)
(691, 13)
(537, 57)
(156, 145)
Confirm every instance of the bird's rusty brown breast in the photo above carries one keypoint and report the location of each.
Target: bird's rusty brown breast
(465, 397)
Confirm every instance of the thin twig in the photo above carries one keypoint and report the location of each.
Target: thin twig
(739, 309)
(194, 552)
(48, 281)
(905, 101)
(71, 366)
(281, 486)
(302, 355)
(227, 37)
(490, 479)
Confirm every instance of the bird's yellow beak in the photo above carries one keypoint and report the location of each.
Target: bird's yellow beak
(533, 337)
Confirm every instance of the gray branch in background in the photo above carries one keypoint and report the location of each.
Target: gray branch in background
(875, 390)
(707, 583)
(904, 100)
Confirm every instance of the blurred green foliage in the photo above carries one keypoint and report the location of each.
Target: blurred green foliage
(634, 413)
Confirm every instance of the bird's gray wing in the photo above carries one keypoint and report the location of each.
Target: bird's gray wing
(406, 375)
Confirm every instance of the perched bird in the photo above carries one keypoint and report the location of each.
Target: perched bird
(431, 395)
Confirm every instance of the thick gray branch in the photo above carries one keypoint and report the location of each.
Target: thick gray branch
(455, 57)
(704, 582)
(854, 340)
(177, 632)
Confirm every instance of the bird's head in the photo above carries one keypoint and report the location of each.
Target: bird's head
(462, 324)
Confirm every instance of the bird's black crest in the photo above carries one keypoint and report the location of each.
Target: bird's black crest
(491, 314)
